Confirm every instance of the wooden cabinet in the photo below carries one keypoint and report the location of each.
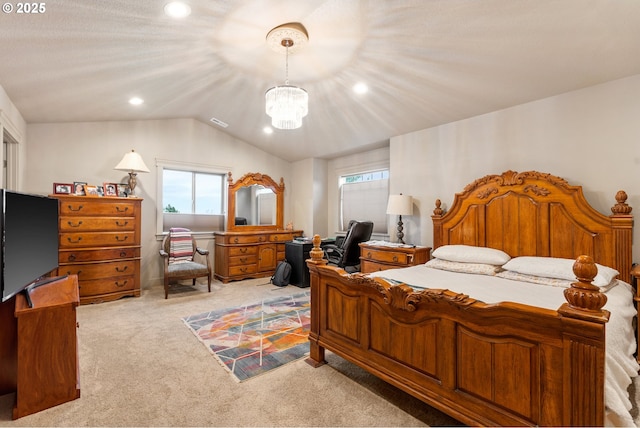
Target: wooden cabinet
(100, 243)
(380, 257)
(251, 254)
(39, 347)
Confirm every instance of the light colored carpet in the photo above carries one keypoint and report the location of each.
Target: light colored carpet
(140, 366)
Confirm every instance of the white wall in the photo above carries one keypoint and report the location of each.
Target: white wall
(68, 152)
(309, 196)
(589, 137)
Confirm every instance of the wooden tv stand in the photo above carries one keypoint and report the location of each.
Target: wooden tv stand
(39, 347)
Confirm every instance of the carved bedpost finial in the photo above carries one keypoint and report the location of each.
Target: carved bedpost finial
(621, 208)
(583, 295)
(316, 253)
(438, 211)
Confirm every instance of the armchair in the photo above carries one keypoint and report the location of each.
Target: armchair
(178, 251)
(346, 254)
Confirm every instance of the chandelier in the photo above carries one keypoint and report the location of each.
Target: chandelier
(287, 104)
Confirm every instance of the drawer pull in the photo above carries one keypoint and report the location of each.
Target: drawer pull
(120, 210)
(275, 238)
(71, 258)
(71, 208)
(74, 225)
(243, 259)
(395, 259)
(123, 254)
(244, 250)
(368, 254)
(121, 270)
(72, 273)
(119, 284)
(261, 239)
(243, 270)
(235, 240)
(121, 225)
(71, 241)
(119, 239)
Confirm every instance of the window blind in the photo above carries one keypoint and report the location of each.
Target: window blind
(365, 201)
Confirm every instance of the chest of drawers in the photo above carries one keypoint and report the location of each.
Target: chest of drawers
(242, 255)
(380, 257)
(100, 243)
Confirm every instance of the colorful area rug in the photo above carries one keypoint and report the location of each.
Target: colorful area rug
(252, 339)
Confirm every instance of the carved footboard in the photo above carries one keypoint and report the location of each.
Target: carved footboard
(503, 364)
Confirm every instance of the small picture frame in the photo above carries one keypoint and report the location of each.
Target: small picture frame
(79, 188)
(123, 190)
(91, 190)
(100, 190)
(62, 188)
(110, 189)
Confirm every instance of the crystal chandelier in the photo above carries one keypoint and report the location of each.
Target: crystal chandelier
(287, 104)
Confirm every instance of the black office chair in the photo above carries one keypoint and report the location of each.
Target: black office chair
(347, 254)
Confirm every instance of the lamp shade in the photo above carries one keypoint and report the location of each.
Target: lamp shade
(400, 205)
(132, 161)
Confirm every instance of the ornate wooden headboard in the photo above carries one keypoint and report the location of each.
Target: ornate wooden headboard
(536, 214)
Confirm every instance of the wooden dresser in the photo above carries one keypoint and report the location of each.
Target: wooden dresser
(380, 257)
(250, 254)
(100, 243)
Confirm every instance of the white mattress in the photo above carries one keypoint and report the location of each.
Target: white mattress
(621, 366)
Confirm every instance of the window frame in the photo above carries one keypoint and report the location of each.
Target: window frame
(162, 164)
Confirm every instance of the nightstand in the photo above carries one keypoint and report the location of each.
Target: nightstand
(380, 257)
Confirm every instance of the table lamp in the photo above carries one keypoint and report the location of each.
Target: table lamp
(132, 163)
(400, 205)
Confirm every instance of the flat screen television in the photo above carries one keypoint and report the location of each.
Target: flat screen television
(29, 250)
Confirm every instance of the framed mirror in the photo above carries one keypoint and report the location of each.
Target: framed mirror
(256, 202)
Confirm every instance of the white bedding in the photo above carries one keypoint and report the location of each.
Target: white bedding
(620, 367)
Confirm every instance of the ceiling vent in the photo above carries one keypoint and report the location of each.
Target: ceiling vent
(219, 122)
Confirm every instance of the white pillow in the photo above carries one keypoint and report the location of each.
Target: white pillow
(471, 254)
(554, 282)
(554, 267)
(475, 268)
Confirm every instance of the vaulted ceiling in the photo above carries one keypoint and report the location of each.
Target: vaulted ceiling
(426, 62)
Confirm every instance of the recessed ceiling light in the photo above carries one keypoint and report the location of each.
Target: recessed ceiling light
(177, 9)
(136, 101)
(267, 130)
(360, 88)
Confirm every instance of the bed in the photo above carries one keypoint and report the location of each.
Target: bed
(459, 345)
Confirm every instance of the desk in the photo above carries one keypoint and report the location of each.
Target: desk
(296, 252)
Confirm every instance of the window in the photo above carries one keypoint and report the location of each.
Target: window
(364, 196)
(190, 192)
(191, 197)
